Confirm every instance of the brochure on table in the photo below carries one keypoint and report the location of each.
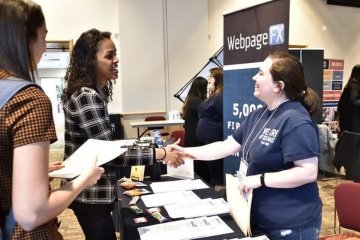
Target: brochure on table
(178, 185)
(185, 229)
(203, 207)
(165, 198)
(104, 151)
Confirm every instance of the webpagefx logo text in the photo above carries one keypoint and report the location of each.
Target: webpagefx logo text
(275, 36)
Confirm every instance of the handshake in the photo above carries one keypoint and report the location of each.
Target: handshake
(172, 155)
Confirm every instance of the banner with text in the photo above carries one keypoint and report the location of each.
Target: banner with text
(332, 89)
(249, 36)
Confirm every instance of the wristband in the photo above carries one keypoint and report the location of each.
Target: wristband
(164, 155)
(262, 180)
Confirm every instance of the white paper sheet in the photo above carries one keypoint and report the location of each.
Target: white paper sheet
(161, 199)
(185, 229)
(203, 207)
(177, 185)
(104, 151)
(185, 171)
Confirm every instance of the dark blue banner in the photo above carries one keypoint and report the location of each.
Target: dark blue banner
(249, 36)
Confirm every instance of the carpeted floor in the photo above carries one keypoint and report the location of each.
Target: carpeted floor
(72, 231)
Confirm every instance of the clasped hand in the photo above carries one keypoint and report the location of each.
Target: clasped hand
(180, 151)
(173, 157)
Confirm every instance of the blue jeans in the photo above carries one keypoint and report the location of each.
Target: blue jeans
(309, 231)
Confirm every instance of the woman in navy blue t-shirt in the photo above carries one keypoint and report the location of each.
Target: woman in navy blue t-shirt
(279, 151)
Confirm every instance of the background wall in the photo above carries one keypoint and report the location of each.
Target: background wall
(162, 44)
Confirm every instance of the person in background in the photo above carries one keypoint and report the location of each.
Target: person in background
(27, 130)
(349, 103)
(189, 112)
(89, 78)
(279, 149)
(210, 125)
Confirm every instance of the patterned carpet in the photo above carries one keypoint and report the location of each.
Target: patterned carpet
(72, 231)
(326, 187)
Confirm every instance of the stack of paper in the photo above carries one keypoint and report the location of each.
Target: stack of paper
(104, 151)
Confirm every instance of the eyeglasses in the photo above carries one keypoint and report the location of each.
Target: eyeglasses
(210, 76)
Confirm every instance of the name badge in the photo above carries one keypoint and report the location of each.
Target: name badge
(243, 169)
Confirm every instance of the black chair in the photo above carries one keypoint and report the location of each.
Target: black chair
(347, 155)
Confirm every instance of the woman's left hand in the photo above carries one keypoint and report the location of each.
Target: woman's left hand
(248, 183)
(55, 166)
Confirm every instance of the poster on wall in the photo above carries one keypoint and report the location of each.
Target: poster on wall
(249, 36)
(53, 87)
(333, 84)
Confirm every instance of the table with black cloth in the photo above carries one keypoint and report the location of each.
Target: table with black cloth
(128, 228)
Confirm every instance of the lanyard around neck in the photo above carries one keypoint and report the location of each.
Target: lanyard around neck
(247, 153)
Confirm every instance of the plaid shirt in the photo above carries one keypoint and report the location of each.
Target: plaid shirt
(86, 117)
(25, 119)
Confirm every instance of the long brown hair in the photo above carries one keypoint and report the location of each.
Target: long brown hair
(197, 90)
(289, 69)
(218, 75)
(19, 22)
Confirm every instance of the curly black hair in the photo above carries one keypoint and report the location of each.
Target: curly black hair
(81, 71)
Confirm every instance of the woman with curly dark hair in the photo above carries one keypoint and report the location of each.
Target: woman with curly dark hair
(82, 70)
(92, 70)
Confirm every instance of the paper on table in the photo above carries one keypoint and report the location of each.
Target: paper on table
(185, 229)
(178, 185)
(104, 151)
(203, 207)
(239, 206)
(184, 171)
(161, 199)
